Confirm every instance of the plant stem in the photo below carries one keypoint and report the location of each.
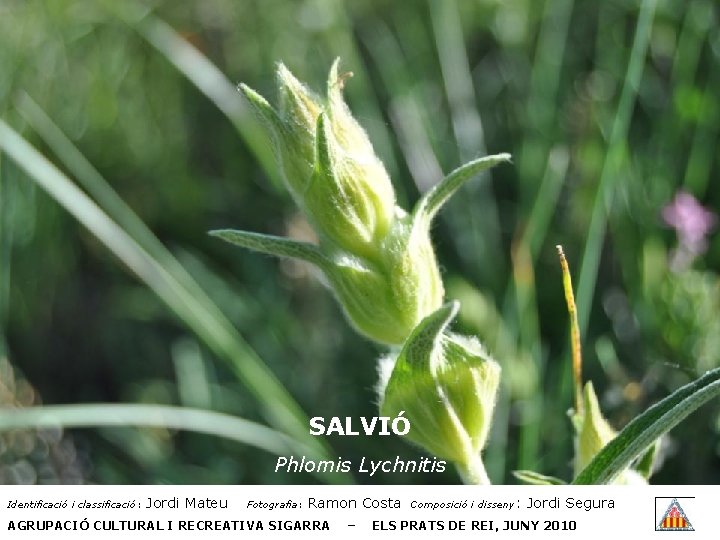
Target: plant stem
(474, 473)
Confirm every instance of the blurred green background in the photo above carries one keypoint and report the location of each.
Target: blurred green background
(609, 109)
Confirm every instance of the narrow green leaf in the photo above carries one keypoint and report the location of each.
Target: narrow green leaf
(274, 245)
(645, 428)
(204, 318)
(93, 415)
(147, 415)
(102, 192)
(537, 479)
(207, 320)
(6, 236)
(615, 165)
(201, 72)
(439, 194)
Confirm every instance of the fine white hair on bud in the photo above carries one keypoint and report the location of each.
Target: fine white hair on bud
(447, 385)
(385, 366)
(347, 130)
(299, 106)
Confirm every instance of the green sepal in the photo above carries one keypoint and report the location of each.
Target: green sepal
(299, 107)
(293, 140)
(593, 433)
(349, 133)
(274, 245)
(429, 205)
(264, 109)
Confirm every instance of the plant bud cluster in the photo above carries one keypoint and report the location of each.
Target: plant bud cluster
(379, 261)
(378, 258)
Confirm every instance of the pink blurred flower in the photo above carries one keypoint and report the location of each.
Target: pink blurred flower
(692, 223)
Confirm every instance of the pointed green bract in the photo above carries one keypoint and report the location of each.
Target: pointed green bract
(262, 107)
(413, 272)
(274, 245)
(293, 145)
(593, 433)
(299, 107)
(446, 386)
(438, 195)
(349, 133)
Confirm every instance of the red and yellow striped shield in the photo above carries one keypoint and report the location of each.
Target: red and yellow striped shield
(674, 519)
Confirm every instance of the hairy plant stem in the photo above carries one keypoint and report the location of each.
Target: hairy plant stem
(474, 473)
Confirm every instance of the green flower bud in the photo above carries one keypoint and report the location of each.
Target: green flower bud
(350, 197)
(377, 258)
(387, 298)
(329, 165)
(412, 270)
(592, 433)
(299, 112)
(446, 385)
(292, 131)
(299, 106)
(349, 134)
